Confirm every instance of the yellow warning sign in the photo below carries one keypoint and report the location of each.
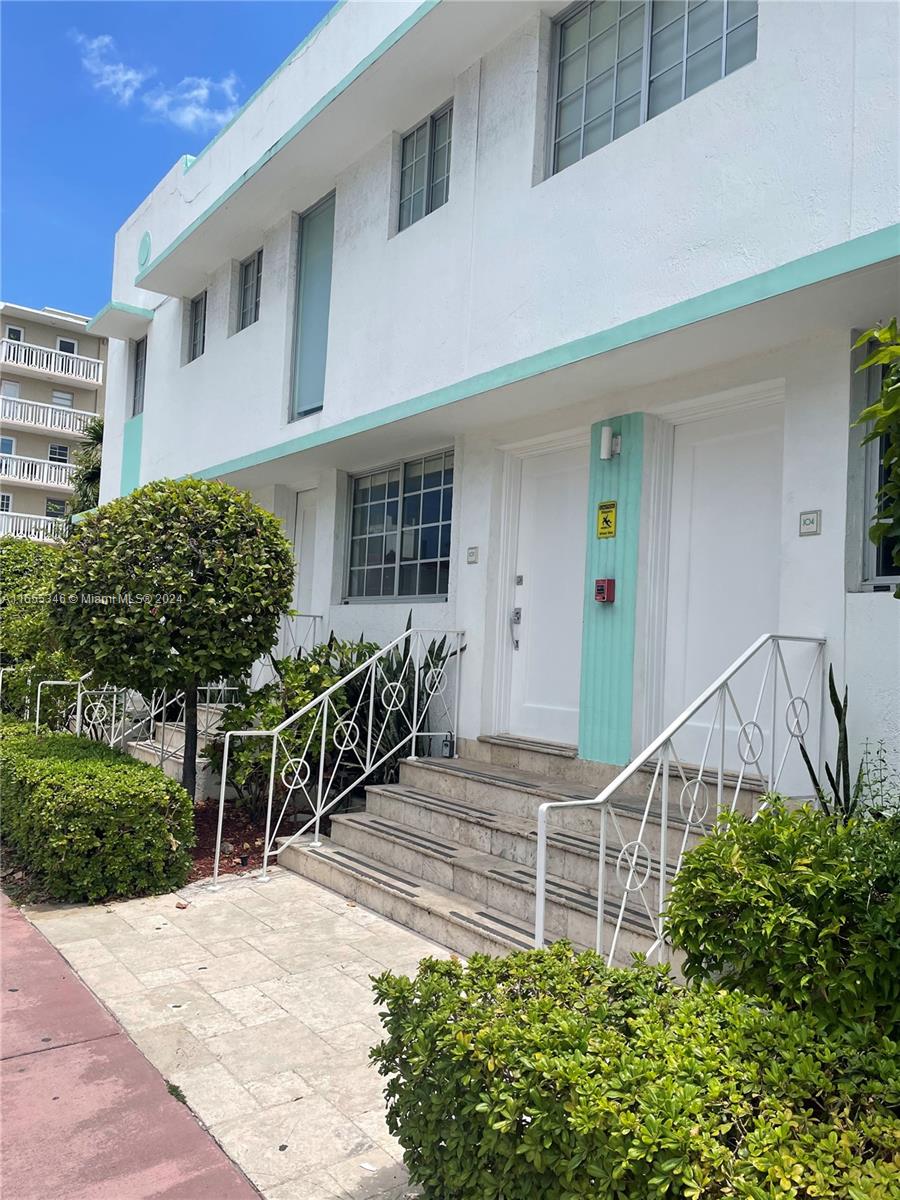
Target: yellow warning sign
(606, 519)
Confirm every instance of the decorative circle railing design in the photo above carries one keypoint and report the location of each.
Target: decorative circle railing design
(345, 735)
(95, 713)
(393, 696)
(751, 742)
(435, 681)
(693, 788)
(295, 773)
(639, 862)
(796, 716)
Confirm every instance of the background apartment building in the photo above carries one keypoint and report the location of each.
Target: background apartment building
(51, 386)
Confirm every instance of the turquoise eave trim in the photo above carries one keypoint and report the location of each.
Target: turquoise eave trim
(607, 644)
(391, 40)
(860, 252)
(190, 159)
(146, 314)
(132, 437)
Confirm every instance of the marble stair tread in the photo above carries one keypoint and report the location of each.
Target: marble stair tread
(559, 890)
(535, 745)
(559, 836)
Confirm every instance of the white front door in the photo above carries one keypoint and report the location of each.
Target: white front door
(549, 594)
(724, 555)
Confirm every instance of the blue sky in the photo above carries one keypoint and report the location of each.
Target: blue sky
(98, 102)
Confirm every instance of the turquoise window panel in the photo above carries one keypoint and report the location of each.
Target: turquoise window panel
(316, 253)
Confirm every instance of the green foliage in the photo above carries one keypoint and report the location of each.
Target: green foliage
(884, 416)
(844, 797)
(29, 649)
(90, 822)
(86, 476)
(181, 581)
(547, 1076)
(796, 906)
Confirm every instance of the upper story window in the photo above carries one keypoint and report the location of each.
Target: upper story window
(878, 569)
(15, 333)
(7, 445)
(10, 387)
(400, 529)
(55, 508)
(620, 62)
(250, 286)
(63, 399)
(58, 453)
(140, 374)
(67, 345)
(425, 166)
(5, 501)
(197, 327)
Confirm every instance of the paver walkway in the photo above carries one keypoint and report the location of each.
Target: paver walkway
(85, 1116)
(256, 1001)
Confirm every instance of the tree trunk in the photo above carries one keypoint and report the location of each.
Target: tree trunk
(189, 770)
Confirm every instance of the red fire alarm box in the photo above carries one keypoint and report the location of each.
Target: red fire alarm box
(604, 591)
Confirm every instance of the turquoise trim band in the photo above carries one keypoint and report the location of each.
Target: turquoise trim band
(391, 40)
(607, 645)
(190, 159)
(133, 310)
(860, 252)
(132, 437)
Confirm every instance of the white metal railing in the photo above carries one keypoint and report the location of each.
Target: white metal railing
(399, 696)
(55, 417)
(51, 362)
(739, 739)
(37, 529)
(297, 635)
(36, 470)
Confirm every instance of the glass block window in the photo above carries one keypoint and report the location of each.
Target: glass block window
(59, 453)
(140, 374)
(621, 62)
(400, 529)
(55, 508)
(425, 167)
(250, 289)
(197, 327)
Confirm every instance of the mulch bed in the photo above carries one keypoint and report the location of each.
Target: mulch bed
(242, 841)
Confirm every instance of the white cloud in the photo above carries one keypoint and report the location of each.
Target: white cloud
(195, 104)
(98, 57)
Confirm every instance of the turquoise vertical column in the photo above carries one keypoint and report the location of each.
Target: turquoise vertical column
(607, 648)
(132, 436)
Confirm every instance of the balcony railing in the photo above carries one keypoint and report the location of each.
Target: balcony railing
(37, 529)
(34, 415)
(44, 361)
(36, 471)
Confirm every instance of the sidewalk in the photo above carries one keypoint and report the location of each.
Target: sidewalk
(84, 1114)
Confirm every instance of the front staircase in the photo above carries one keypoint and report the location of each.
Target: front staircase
(450, 850)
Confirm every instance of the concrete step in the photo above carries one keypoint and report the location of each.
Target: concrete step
(572, 855)
(173, 765)
(172, 734)
(555, 759)
(501, 885)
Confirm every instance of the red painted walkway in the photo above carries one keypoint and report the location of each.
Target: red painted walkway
(84, 1115)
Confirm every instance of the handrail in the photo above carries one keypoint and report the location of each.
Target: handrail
(347, 734)
(662, 746)
(55, 683)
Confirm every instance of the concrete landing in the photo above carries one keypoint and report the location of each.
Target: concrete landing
(85, 1115)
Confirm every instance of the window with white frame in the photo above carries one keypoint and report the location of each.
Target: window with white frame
(67, 345)
(400, 519)
(425, 166)
(197, 327)
(249, 290)
(58, 453)
(139, 376)
(10, 388)
(15, 333)
(55, 508)
(621, 62)
(7, 445)
(5, 502)
(62, 399)
(878, 568)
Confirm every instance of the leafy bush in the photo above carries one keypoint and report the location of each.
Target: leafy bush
(90, 822)
(797, 906)
(548, 1076)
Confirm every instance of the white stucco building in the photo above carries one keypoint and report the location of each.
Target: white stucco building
(457, 241)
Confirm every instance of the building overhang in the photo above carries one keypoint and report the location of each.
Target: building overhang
(403, 79)
(121, 321)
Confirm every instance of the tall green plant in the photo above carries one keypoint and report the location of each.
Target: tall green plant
(86, 476)
(884, 416)
(843, 798)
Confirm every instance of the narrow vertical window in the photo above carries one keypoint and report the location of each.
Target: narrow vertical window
(5, 501)
(197, 327)
(250, 287)
(425, 166)
(315, 252)
(140, 372)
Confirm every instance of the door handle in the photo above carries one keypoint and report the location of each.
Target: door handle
(515, 619)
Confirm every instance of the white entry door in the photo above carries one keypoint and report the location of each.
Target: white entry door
(305, 554)
(549, 594)
(724, 555)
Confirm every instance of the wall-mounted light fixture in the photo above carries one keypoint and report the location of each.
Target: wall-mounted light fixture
(610, 443)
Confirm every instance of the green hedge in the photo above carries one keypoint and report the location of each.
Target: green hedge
(547, 1076)
(798, 907)
(89, 822)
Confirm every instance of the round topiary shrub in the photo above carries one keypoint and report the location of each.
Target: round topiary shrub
(548, 1076)
(799, 907)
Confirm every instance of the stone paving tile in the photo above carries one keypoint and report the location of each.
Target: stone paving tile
(256, 1000)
